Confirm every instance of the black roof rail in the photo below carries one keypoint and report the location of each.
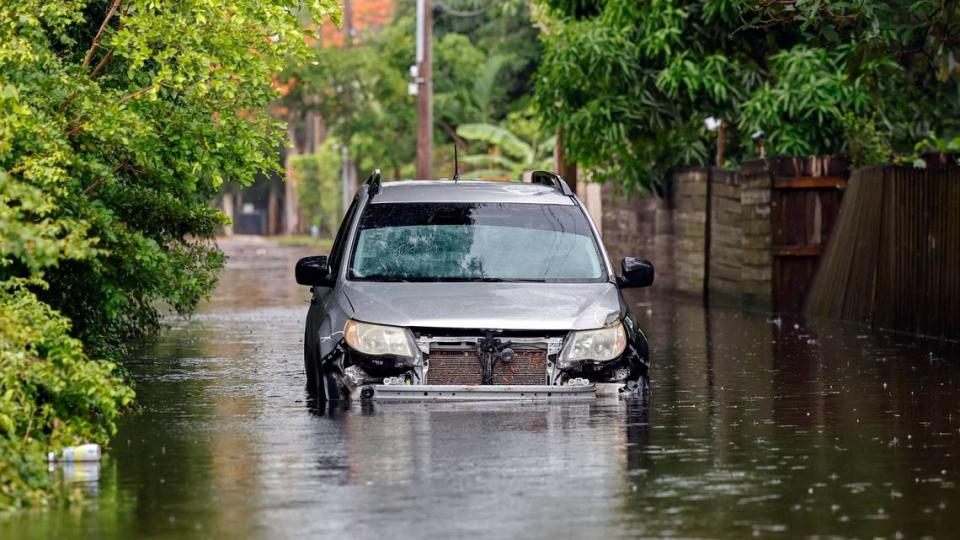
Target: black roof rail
(547, 178)
(373, 183)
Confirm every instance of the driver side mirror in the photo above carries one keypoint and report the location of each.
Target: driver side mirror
(313, 271)
(636, 273)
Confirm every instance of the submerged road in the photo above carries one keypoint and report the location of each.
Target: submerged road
(756, 426)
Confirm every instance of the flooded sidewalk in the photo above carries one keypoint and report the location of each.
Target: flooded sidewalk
(756, 426)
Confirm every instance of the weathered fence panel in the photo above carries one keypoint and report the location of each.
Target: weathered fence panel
(805, 202)
(894, 257)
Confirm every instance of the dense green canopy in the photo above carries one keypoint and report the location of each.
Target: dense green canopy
(119, 120)
(631, 82)
(483, 60)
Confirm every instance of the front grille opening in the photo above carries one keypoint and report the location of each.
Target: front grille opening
(529, 366)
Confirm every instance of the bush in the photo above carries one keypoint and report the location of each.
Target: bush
(319, 187)
(51, 394)
(119, 121)
(865, 144)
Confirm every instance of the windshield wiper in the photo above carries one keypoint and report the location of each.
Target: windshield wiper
(385, 277)
(506, 280)
(431, 279)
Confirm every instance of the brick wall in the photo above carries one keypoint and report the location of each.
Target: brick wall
(634, 226)
(756, 274)
(726, 236)
(689, 218)
(672, 232)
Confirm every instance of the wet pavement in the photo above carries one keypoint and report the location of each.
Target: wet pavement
(756, 426)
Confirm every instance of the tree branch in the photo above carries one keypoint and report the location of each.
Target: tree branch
(103, 62)
(136, 94)
(79, 125)
(96, 39)
(92, 186)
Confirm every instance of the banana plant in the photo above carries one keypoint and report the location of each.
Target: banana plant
(508, 156)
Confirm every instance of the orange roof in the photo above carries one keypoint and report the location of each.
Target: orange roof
(367, 15)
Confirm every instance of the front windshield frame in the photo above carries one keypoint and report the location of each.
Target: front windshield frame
(591, 234)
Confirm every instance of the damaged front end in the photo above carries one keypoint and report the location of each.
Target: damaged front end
(395, 363)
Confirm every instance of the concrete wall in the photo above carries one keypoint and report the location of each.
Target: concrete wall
(635, 226)
(673, 232)
(726, 235)
(756, 274)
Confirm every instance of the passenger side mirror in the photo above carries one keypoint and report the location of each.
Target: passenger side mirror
(313, 271)
(636, 273)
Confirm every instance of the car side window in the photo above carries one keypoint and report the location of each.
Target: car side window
(336, 252)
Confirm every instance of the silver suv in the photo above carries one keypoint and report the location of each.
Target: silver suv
(470, 290)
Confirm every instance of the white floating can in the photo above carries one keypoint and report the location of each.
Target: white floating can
(84, 452)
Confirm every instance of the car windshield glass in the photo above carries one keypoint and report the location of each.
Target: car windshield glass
(475, 242)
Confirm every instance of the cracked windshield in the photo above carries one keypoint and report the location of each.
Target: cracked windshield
(479, 269)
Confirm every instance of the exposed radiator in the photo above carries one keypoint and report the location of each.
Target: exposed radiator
(463, 367)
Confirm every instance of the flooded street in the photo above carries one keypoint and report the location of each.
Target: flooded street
(755, 426)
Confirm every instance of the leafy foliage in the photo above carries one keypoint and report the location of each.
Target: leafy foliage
(482, 67)
(865, 144)
(631, 83)
(118, 122)
(904, 53)
(631, 86)
(510, 156)
(319, 188)
(361, 92)
(803, 104)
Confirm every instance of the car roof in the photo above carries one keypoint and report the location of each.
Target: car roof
(468, 191)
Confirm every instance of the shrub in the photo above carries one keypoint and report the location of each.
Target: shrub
(119, 120)
(319, 187)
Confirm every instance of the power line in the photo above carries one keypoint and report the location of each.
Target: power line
(457, 13)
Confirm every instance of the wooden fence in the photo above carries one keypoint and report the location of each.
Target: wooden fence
(894, 257)
(805, 200)
(751, 236)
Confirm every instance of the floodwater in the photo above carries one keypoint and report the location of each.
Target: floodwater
(755, 427)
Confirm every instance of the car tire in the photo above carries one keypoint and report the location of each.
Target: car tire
(643, 387)
(327, 385)
(310, 367)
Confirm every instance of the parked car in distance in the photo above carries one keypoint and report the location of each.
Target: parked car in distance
(471, 290)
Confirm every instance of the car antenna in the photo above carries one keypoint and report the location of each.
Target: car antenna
(456, 164)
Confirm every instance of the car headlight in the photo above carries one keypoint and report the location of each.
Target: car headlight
(378, 340)
(601, 345)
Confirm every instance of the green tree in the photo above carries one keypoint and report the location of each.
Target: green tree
(903, 53)
(630, 83)
(361, 92)
(319, 186)
(483, 57)
(804, 103)
(119, 120)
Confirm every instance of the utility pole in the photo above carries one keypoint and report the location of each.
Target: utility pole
(425, 90)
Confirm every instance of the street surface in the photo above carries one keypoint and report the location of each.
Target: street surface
(756, 426)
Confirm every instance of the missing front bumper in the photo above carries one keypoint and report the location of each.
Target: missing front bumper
(436, 392)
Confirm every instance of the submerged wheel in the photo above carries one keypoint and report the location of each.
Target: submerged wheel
(327, 385)
(309, 366)
(637, 387)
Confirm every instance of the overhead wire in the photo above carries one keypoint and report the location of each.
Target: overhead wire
(457, 13)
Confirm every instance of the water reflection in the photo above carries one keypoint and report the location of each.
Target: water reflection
(757, 425)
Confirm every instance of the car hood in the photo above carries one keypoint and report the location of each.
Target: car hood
(506, 306)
